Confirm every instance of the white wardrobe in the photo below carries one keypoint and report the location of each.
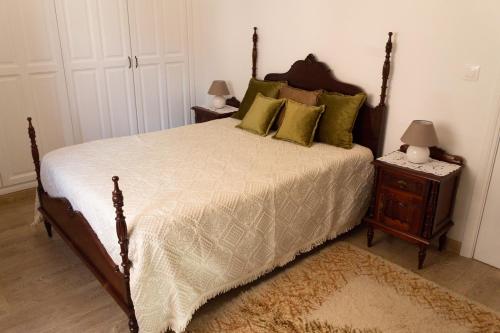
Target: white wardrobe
(126, 64)
(86, 70)
(31, 83)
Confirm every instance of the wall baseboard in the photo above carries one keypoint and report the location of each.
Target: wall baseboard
(16, 188)
(453, 245)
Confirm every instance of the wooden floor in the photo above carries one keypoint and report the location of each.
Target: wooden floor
(45, 288)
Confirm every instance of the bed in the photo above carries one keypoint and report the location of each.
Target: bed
(208, 207)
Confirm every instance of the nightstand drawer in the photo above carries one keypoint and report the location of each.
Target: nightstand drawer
(400, 211)
(403, 182)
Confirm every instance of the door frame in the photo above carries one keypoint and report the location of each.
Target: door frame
(191, 67)
(490, 150)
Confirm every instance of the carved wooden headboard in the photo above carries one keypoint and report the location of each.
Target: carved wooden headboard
(310, 74)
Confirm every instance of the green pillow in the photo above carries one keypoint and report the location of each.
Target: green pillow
(299, 123)
(266, 88)
(335, 127)
(261, 115)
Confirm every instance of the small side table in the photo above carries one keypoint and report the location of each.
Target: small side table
(414, 202)
(205, 113)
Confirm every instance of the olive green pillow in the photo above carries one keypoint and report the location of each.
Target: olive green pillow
(299, 123)
(261, 115)
(336, 124)
(266, 88)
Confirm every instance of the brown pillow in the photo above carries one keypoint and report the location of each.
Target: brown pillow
(298, 95)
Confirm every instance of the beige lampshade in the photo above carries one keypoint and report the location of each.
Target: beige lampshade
(420, 133)
(218, 88)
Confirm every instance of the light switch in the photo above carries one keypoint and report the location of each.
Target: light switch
(471, 72)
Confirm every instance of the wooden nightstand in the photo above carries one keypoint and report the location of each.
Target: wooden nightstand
(204, 113)
(414, 205)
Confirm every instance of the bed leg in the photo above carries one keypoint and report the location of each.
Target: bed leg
(121, 231)
(369, 235)
(48, 227)
(132, 324)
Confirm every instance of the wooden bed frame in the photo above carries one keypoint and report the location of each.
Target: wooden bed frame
(306, 74)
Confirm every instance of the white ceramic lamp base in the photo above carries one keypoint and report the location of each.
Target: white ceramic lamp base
(416, 154)
(219, 102)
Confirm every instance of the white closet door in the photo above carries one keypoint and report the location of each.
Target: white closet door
(96, 47)
(159, 41)
(488, 245)
(31, 84)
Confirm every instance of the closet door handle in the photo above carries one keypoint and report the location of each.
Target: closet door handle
(136, 62)
(129, 62)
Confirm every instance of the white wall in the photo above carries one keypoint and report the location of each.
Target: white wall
(434, 39)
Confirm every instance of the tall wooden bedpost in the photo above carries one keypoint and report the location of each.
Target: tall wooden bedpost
(233, 101)
(381, 108)
(36, 161)
(121, 230)
(386, 70)
(255, 38)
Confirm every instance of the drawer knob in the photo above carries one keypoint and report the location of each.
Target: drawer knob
(402, 184)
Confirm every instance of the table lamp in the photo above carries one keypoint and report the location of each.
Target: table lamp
(420, 135)
(218, 89)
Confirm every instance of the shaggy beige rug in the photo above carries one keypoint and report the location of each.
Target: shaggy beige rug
(343, 289)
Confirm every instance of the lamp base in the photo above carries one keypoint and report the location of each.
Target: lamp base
(416, 154)
(219, 102)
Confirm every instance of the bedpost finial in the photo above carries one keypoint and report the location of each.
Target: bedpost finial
(30, 126)
(388, 45)
(115, 180)
(117, 196)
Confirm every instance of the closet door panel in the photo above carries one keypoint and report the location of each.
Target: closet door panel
(7, 38)
(31, 84)
(148, 27)
(176, 92)
(77, 28)
(121, 97)
(114, 31)
(159, 40)
(16, 164)
(96, 45)
(86, 94)
(177, 57)
(151, 86)
(175, 27)
(48, 93)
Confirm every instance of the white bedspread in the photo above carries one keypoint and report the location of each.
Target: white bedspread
(209, 207)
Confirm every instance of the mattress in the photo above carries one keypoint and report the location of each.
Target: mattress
(209, 207)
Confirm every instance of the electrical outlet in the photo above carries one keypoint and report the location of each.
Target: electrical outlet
(471, 72)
